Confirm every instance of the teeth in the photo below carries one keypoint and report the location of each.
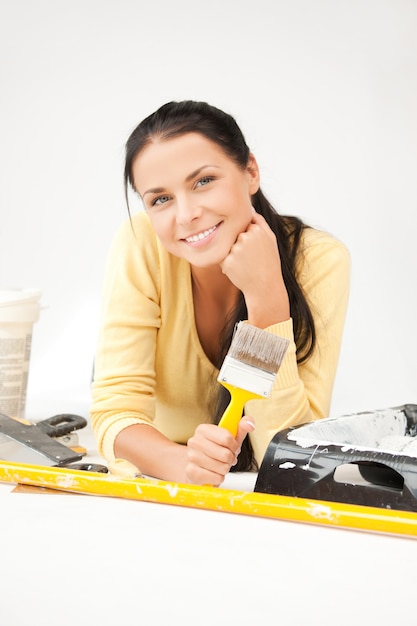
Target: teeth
(202, 235)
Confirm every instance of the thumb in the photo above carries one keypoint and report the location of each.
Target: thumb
(246, 425)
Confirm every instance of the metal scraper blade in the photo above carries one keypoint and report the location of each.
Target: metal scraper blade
(22, 443)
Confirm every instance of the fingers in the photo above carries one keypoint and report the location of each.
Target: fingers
(212, 451)
(260, 221)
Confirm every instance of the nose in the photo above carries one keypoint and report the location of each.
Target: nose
(188, 210)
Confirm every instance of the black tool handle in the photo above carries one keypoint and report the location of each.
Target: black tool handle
(89, 467)
(62, 424)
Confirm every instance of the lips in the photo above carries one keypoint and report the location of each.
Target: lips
(201, 235)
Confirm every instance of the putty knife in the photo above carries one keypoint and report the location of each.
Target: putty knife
(23, 443)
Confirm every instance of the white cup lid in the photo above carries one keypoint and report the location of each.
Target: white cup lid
(11, 297)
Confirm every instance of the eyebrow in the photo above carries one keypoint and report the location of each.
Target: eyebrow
(187, 180)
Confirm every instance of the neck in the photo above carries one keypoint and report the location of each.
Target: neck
(213, 284)
(214, 297)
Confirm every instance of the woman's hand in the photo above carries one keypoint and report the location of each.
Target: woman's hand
(254, 266)
(212, 451)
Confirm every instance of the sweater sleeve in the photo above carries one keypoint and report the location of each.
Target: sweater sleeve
(123, 390)
(302, 392)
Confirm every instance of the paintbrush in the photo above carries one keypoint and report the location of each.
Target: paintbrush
(249, 369)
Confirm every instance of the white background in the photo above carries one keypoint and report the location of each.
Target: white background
(326, 94)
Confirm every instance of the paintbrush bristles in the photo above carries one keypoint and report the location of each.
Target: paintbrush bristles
(258, 347)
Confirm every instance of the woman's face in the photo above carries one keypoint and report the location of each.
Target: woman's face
(196, 196)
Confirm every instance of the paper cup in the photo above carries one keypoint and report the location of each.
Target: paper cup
(19, 310)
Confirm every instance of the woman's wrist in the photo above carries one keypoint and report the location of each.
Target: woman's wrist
(269, 309)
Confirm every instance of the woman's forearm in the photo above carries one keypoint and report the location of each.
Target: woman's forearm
(152, 453)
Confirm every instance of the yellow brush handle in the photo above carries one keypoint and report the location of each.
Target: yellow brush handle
(232, 415)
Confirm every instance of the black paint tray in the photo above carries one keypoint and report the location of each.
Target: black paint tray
(367, 458)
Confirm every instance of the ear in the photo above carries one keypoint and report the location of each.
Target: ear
(252, 169)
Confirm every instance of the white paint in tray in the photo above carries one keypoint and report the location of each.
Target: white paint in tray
(383, 431)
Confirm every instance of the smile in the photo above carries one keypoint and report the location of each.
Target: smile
(200, 236)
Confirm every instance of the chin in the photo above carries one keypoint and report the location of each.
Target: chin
(205, 260)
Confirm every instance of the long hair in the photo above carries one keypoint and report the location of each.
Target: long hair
(178, 118)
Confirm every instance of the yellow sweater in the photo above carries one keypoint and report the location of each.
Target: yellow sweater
(150, 367)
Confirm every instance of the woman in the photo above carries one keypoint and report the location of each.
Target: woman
(208, 251)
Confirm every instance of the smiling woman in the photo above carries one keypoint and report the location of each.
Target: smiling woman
(208, 251)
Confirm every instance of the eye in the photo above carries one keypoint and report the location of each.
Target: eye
(205, 180)
(160, 200)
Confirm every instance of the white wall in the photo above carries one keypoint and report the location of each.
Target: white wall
(326, 93)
